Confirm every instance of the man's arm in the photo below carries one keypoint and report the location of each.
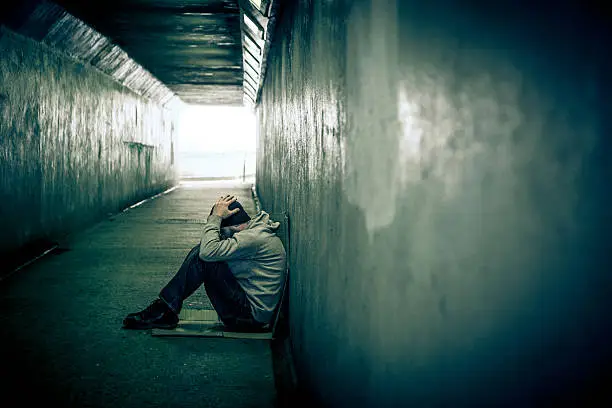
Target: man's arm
(213, 248)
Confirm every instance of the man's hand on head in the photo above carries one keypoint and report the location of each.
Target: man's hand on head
(221, 207)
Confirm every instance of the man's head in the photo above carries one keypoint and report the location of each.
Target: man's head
(236, 219)
(235, 222)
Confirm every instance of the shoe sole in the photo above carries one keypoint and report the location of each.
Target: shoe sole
(150, 326)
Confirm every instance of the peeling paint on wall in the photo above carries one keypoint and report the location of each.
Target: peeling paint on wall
(371, 169)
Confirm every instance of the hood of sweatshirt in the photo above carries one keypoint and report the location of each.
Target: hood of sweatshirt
(262, 220)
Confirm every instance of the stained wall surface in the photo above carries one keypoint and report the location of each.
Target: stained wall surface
(446, 171)
(74, 144)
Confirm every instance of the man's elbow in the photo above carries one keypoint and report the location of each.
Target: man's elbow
(207, 255)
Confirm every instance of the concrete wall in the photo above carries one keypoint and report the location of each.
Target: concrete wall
(74, 144)
(446, 171)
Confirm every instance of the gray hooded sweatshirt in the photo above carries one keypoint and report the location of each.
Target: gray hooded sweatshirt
(255, 256)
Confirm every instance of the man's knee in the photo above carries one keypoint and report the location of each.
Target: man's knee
(195, 252)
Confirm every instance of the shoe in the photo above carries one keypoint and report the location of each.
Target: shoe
(157, 315)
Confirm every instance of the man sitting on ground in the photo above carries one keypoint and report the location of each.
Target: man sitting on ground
(241, 263)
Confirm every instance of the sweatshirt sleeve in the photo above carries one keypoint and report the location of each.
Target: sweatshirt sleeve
(213, 248)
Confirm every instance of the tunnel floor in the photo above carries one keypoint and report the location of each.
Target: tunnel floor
(62, 340)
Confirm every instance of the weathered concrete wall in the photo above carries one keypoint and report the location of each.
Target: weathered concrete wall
(446, 171)
(74, 144)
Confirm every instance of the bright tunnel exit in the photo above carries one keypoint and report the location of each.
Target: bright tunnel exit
(216, 143)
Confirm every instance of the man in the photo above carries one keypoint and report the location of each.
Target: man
(241, 263)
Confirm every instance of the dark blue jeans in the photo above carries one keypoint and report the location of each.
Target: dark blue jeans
(225, 293)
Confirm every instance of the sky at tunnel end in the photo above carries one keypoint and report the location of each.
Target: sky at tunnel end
(218, 129)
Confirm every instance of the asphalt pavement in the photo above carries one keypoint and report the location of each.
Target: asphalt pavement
(62, 341)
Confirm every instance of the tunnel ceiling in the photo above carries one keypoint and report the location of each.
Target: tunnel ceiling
(195, 47)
